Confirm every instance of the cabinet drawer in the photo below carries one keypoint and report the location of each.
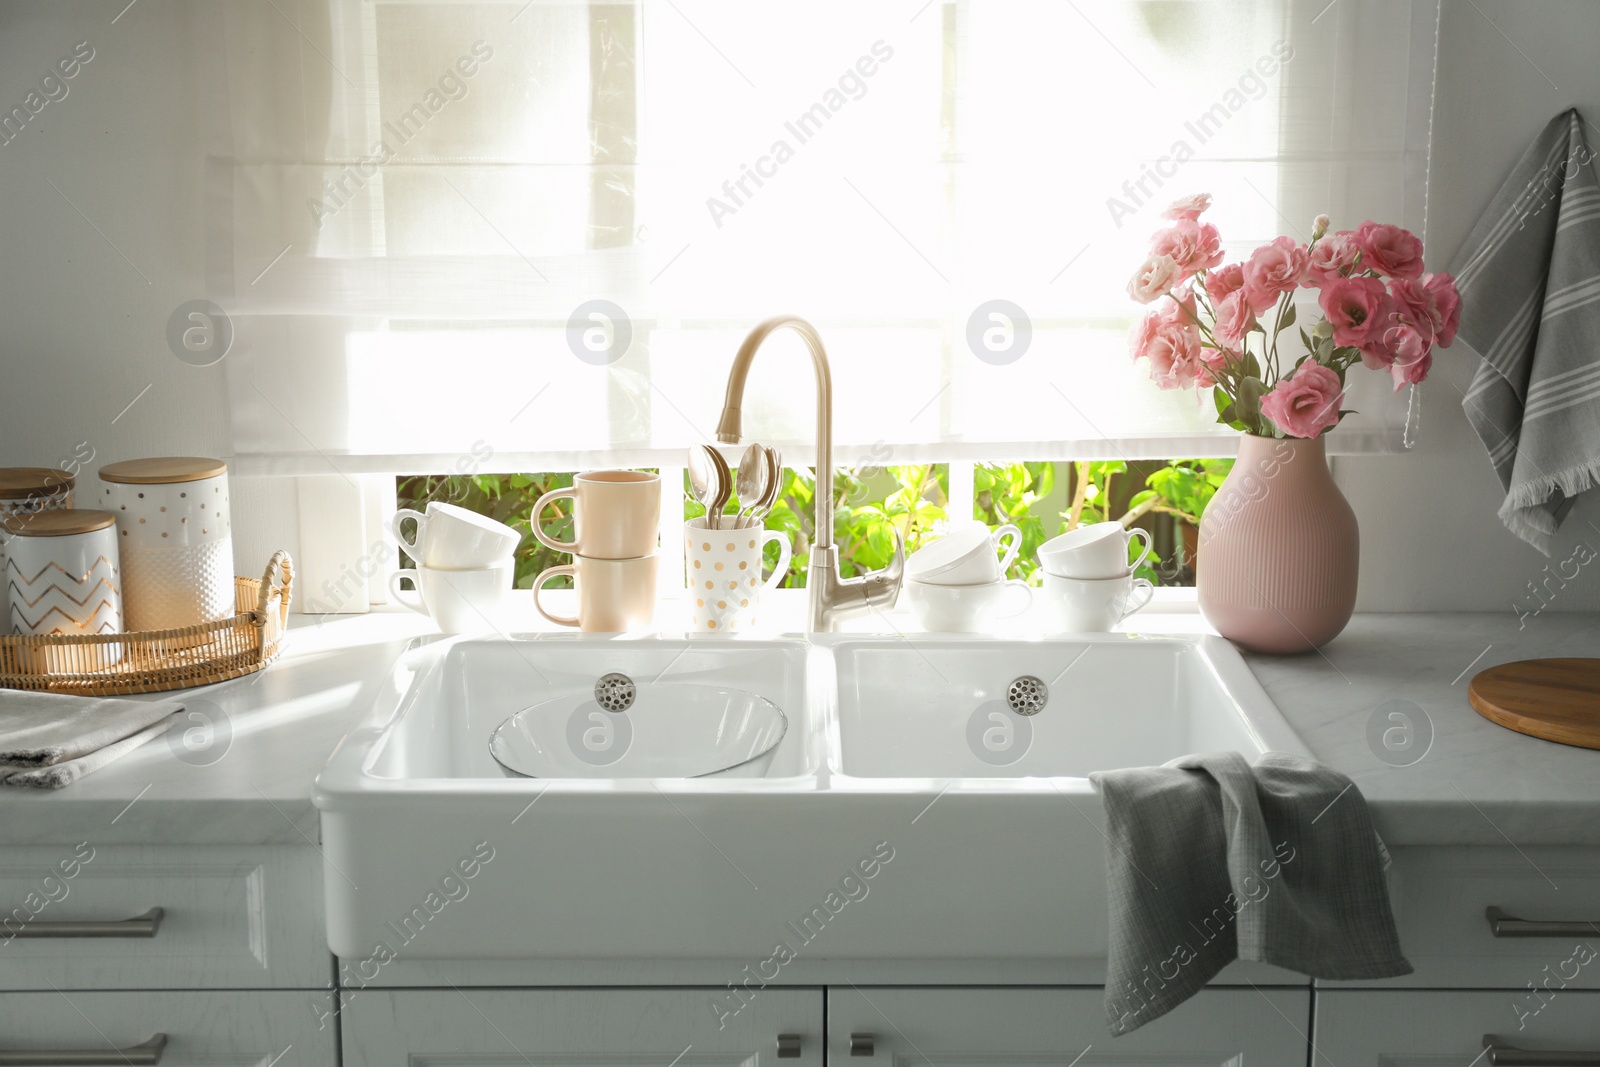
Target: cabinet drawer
(1029, 1027)
(1441, 896)
(200, 1029)
(687, 1027)
(229, 918)
(1369, 1028)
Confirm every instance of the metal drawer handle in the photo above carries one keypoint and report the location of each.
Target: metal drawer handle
(863, 1045)
(147, 1054)
(144, 925)
(788, 1046)
(1511, 1056)
(1502, 924)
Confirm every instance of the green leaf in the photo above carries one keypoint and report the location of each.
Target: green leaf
(1288, 317)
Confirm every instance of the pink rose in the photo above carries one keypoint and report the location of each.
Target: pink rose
(1154, 279)
(1305, 403)
(1357, 308)
(1190, 207)
(1195, 246)
(1224, 282)
(1413, 357)
(1235, 318)
(1272, 270)
(1173, 348)
(1389, 250)
(1414, 308)
(1332, 257)
(1448, 302)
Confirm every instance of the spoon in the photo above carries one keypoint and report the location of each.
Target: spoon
(774, 485)
(755, 471)
(724, 487)
(704, 478)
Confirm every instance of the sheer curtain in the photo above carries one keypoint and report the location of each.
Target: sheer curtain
(531, 235)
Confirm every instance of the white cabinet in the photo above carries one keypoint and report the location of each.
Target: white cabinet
(229, 918)
(172, 1029)
(1416, 1029)
(617, 1028)
(1030, 1026)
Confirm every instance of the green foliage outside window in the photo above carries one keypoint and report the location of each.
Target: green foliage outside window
(872, 503)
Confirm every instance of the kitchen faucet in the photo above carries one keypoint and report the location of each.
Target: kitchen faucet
(831, 597)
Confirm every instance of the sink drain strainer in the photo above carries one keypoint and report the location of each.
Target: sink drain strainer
(1027, 695)
(615, 692)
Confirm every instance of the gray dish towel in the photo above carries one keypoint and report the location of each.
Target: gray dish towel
(1529, 278)
(48, 740)
(1212, 860)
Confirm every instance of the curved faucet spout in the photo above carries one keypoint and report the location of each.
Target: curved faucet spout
(831, 596)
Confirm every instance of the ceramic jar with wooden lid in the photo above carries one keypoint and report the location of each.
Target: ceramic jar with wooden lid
(23, 491)
(176, 540)
(61, 569)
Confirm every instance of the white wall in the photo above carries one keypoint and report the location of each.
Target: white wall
(1430, 539)
(82, 333)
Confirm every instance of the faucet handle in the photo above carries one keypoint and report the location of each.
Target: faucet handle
(880, 588)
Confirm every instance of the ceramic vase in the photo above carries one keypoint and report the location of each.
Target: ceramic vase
(1279, 549)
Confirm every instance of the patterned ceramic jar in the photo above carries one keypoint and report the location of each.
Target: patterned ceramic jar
(176, 540)
(23, 491)
(61, 570)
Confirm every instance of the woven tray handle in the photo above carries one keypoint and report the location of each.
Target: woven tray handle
(276, 580)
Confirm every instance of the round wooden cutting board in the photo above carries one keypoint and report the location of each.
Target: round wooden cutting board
(1556, 699)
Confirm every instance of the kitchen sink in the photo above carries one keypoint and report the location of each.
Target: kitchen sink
(950, 766)
(968, 708)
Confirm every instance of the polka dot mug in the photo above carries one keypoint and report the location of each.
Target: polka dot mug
(724, 569)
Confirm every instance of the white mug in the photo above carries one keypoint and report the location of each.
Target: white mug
(1094, 605)
(449, 537)
(965, 556)
(1098, 550)
(459, 601)
(724, 568)
(965, 609)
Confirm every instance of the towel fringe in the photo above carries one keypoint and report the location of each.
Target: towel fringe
(1525, 509)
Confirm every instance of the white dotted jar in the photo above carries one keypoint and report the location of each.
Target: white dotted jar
(724, 569)
(25, 491)
(176, 539)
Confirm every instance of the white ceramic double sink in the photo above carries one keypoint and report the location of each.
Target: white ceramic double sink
(906, 748)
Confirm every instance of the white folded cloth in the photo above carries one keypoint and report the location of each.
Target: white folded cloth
(48, 740)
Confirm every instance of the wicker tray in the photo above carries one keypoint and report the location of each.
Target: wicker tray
(151, 661)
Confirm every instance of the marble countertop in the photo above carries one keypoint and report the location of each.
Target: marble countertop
(242, 773)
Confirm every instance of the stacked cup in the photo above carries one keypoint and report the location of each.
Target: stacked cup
(464, 569)
(957, 585)
(616, 516)
(1088, 581)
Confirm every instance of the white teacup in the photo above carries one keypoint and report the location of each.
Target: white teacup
(965, 609)
(1094, 605)
(452, 538)
(965, 556)
(459, 601)
(1099, 550)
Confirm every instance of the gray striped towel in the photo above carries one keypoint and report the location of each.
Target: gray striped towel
(1529, 278)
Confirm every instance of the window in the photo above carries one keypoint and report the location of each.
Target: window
(534, 233)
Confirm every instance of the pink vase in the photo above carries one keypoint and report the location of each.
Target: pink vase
(1279, 549)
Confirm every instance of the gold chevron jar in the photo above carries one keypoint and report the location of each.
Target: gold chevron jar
(62, 572)
(175, 537)
(23, 491)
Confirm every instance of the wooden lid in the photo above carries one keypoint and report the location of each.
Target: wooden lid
(62, 522)
(21, 483)
(162, 471)
(1556, 699)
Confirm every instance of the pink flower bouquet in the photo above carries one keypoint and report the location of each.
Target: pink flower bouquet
(1219, 325)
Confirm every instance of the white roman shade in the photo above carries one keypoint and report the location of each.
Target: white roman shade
(531, 235)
